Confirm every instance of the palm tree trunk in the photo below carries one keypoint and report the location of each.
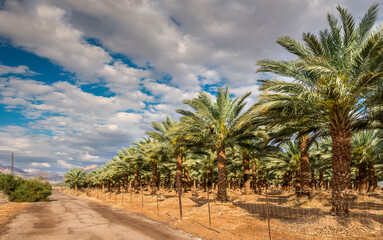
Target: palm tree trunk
(286, 183)
(136, 183)
(341, 164)
(109, 185)
(246, 173)
(203, 184)
(168, 178)
(154, 177)
(298, 182)
(126, 182)
(222, 178)
(235, 180)
(260, 183)
(254, 175)
(210, 178)
(118, 185)
(305, 165)
(372, 178)
(313, 182)
(179, 172)
(320, 181)
(362, 178)
(186, 182)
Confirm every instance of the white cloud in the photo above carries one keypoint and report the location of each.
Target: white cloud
(65, 164)
(35, 164)
(22, 70)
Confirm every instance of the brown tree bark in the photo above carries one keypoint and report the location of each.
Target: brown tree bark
(118, 185)
(254, 175)
(320, 181)
(210, 177)
(286, 182)
(154, 178)
(260, 181)
(341, 164)
(246, 173)
(356, 186)
(187, 181)
(235, 182)
(313, 181)
(222, 177)
(179, 172)
(169, 178)
(203, 184)
(298, 182)
(136, 182)
(362, 178)
(304, 165)
(372, 178)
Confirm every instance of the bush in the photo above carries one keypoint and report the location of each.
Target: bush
(30, 191)
(9, 183)
(21, 190)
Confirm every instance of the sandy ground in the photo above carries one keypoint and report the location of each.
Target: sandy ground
(66, 217)
(244, 217)
(9, 210)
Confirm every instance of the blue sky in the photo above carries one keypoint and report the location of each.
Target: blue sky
(80, 79)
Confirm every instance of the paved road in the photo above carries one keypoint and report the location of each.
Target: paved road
(66, 217)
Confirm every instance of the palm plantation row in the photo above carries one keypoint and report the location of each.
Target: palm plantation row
(324, 119)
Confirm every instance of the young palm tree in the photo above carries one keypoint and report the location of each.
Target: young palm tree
(333, 75)
(216, 125)
(168, 144)
(75, 177)
(285, 163)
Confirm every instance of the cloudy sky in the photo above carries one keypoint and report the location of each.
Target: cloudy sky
(79, 79)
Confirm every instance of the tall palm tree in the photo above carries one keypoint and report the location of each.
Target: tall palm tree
(333, 75)
(215, 125)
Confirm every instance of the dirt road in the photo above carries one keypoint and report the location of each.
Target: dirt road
(66, 217)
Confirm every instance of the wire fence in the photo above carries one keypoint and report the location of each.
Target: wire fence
(272, 204)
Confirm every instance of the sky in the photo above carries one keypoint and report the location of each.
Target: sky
(79, 79)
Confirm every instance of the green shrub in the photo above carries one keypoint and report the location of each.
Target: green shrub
(31, 191)
(9, 183)
(21, 190)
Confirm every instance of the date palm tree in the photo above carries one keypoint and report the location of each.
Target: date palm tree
(367, 148)
(216, 125)
(167, 144)
(333, 75)
(75, 177)
(285, 163)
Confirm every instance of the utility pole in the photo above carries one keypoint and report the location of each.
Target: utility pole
(12, 157)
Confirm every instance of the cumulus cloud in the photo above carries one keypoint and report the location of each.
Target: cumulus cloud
(46, 165)
(22, 70)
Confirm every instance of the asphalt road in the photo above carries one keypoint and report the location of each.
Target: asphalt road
(67, 217)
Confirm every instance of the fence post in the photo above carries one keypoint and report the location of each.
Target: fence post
(208, 206)
(158, 210)
(268, 214)
(142, 198)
